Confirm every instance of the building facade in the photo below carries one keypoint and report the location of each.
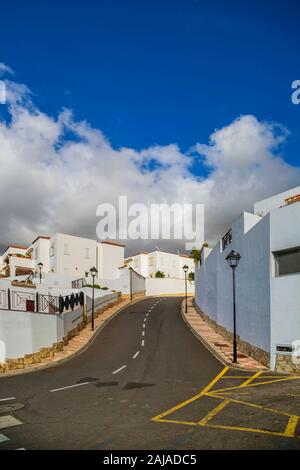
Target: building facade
(147, 264)
(267, 280)
(64, 255)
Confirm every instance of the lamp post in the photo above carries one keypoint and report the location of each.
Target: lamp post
(233, 260)
(40, 265)
(185, 268)
(94, 273)
(130, 270)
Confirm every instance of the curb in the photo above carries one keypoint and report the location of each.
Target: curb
(211, 349)
(81, 350)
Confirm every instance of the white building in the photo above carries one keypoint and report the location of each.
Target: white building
(147, 264)
(65, 255)
(267, 280)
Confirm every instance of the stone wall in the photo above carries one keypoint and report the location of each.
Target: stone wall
(285, 364)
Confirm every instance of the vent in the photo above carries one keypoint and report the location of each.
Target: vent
(284, 348)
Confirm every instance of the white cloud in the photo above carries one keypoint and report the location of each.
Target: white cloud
(55, 171)
(5, 69)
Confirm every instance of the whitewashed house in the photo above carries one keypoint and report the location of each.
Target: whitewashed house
(267, 280)
(171, 264)
(64, 255)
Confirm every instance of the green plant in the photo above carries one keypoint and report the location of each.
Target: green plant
(96, 286)
(196, 253)
(104, 288)
(159, 274)
(191, 276)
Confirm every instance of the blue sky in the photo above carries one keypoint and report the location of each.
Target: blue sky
(158, 71)
(212, 76)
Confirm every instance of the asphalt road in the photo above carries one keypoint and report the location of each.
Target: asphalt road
(142, 364)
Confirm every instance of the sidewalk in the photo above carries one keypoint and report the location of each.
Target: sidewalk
(216, 343)
(77, 343)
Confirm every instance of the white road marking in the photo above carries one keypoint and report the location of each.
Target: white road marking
(6, 399)
(143, 333)
(119, 370)
(143, 343)
(145, 319)
(69, 386)
(144, 326)
(3, 438)
(21, 448)
(8, 421)
(136, 355)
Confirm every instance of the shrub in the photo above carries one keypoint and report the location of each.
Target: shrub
(159, 274)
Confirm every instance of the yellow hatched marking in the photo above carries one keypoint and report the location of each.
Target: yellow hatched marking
(248, 381)
(257, 384)
(214, 412)
(291, 426)
(190, 400)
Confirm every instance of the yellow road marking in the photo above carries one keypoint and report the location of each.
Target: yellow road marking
(256, 384)
(248, 381)
(190, 400)
(253, 405)
(291, 426)
(214, 412)
(239, 428)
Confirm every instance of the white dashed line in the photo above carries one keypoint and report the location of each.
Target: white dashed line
(119, 370)
(145, 319)
(144, 326)
(3, 438)
(136, 355)
(6, 399)
(143, 333)
(143, 343)
(69, 386)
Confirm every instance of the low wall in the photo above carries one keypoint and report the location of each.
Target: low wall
(24, 334)
(168, 286)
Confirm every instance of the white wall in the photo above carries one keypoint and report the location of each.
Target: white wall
(285, 290)
(214, 282)
(265, 206)
(168, 286)
(111, 259)
(25, 332)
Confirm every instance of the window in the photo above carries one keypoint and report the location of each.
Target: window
(87, 253)
(227, 239)
(287, 262)
(66, 249)
(36, 253)
(135, 263)
(51, 251)
(150, 262)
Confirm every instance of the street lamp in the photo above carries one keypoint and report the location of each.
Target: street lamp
(185, 268)
(130, 270)
(94, 273)
(233, 260)
(40, 265)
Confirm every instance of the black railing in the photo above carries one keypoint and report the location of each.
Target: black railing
(79, 283)
(39, 303)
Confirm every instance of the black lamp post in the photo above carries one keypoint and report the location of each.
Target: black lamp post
(40, 265)
(185, 268)
(94, 273)
(130, 270)
(233, 260)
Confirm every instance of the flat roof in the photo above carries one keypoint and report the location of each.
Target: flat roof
(110, 242)
(19, 247)
(40, 236)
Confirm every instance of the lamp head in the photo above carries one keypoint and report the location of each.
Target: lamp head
(93, 271)
(185, 268)
(233, 259)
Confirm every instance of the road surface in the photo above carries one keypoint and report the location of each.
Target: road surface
(138, 387)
